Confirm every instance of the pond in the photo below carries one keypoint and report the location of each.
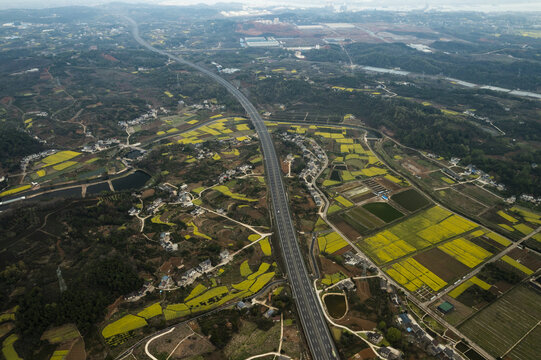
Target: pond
(336, 305)
(133, 181)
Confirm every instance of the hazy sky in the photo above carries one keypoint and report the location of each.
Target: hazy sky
(476, 5)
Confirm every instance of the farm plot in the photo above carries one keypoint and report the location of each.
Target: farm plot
(14, 190)
(61, 334)
(480, 194)
(461, 202)
(410, 200)
(331, 243)
(383, 211)
(418, 232)
(500, 325)
(412, 275)
(528, 348)
(465, 251)
(151, 311)
(467, 284)
(123, 325)
(360, 216)
(227, 192)
(59, 157)
(517, 265)
(441, 264)
(207, 299)
(7, 348)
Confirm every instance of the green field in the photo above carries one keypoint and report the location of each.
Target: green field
(500, 325)
(361, 220)
(528, 347)
(384, 211)
(348, 219)
(410, 200)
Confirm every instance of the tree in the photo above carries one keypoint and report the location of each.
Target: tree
(393, 335)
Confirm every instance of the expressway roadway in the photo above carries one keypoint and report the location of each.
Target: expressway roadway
(317, 333)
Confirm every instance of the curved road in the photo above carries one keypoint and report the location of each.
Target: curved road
(313, 322)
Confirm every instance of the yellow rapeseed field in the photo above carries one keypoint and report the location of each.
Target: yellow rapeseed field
(14, 190)
(7, 348)
(517, 265)
(206, 296)
(60, 157)
(465, 251)
(151, 311)
(507, 217)
(412, 275)
(523, 228)
(245, 269)
(415, 233)
(265, 247)
(456, 292)
(331, 243)
(123, 325)
(262, 269)
(342, 200)
(198, 289)
(261, 281)
(64, 165)
(499, 239)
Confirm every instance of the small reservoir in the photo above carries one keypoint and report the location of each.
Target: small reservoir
(336, 305)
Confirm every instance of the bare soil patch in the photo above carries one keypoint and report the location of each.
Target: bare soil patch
(363, 290)
(346, 229)
(441, 264)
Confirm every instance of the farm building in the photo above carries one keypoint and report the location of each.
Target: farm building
(446, 307)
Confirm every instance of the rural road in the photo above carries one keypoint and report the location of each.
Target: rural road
(313, 322)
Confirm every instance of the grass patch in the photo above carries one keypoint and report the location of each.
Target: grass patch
(227, 192)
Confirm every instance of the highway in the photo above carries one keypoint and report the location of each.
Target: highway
(313, 322)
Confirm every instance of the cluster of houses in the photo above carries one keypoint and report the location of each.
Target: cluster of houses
(353, 259)
(232, 173)
(34, 157)
(482, 177)
(208, 105)
(100, 145)
(220, 68)
(137, 295)
(190, 275)
(388, 352)
(487, 179)
(313, 163)
(470, 170)
(155, 206)
(416, 334)
(166, 243)
(179, 195)
(152, 114)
